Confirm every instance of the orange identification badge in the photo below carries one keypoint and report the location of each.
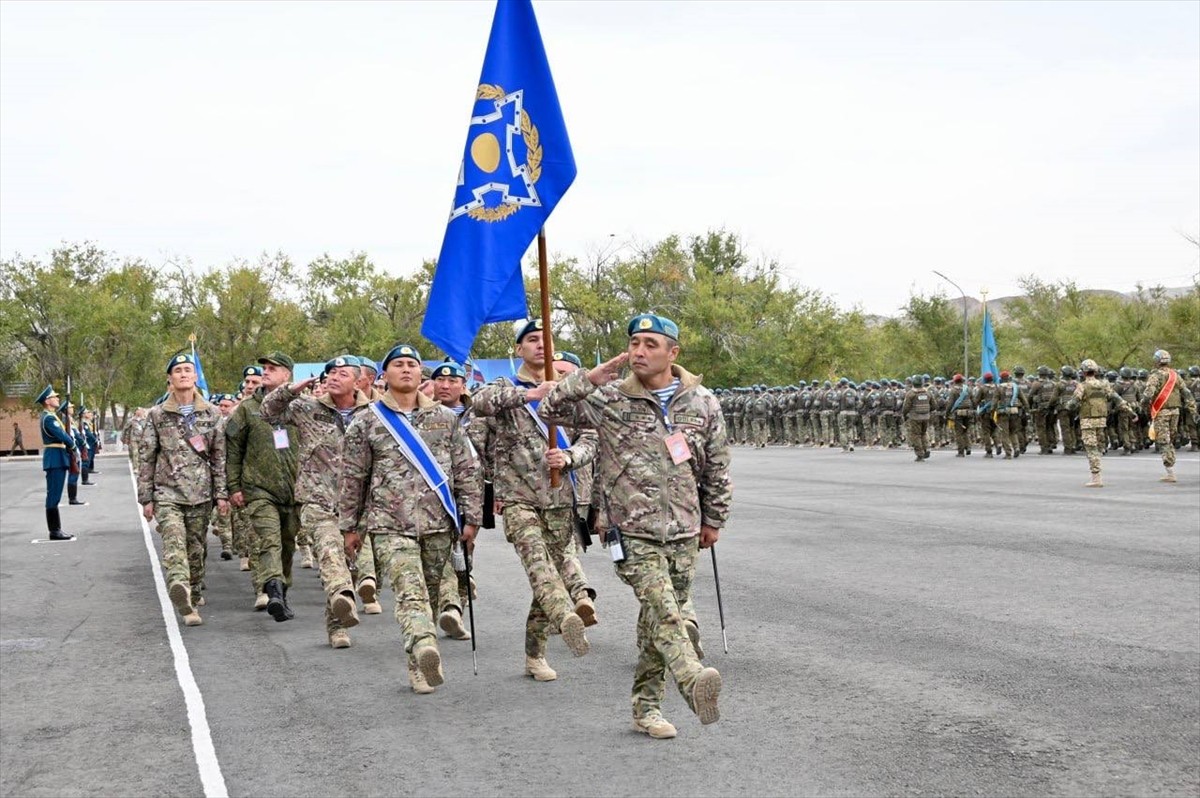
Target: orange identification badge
(197, 442)
(677, 445)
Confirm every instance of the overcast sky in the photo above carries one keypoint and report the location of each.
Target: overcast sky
(861, 145)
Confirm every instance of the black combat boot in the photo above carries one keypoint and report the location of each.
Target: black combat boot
(54, 525)
(277, 601)
(73, 495)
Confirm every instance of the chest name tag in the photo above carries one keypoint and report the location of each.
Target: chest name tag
(677, 446)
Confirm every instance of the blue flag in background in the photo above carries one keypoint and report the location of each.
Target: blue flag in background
(516, 166)
(989, 352)
(201, 383)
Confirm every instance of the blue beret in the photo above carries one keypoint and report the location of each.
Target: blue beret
(252, 371)
(179, 360)
(369, 362)
(449, 369)
(524, 328)
(569, 357)
(340, 361)
(648, 322)
(402, 350)
(46, 394)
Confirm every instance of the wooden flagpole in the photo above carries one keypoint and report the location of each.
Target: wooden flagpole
(547, 342)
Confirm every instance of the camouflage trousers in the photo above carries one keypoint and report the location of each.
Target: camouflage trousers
(184, 531)
(661, 575)
(1047, 432)
(1006, 431)
(243, 543)
(847, 421)
(330, 553)
(1066, 427)
(412, 566)
(760, 431)
(987, 432)
(542, 539)
(222, 527)
(887, 429)
(275, 527)
(962, 430)
(827, 428)
(918, 431)
(1093, 435)
(1165, 425)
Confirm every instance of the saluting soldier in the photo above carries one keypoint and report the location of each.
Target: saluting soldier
(538, 519)
(660, 434)
(57, 449)
(409, 481)
(321, 424)
(182, 472)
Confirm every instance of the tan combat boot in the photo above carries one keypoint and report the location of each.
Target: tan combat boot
(539, 669)
(339, 638)
(192, 619)
(345, 609)
(586, 610)
(261, 601)
(1096, 481)
(1169, 476)
(369, 594)
(572, 634)
(244, 564)
(429, 661)
(306, 558)
(694, 635)
(452, 624)
(654, 725)
(181, 598)
(705, 692)
(417, 681)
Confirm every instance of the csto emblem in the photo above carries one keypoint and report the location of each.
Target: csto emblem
(503, 162)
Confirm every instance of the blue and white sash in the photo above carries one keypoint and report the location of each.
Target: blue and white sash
(532, 407)
(414, 449)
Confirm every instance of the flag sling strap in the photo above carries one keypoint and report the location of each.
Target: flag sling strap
(416, 452)
(1164, 394)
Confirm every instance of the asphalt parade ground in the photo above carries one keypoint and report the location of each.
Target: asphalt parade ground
(962, 627)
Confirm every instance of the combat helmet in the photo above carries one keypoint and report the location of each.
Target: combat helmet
(1126, 373)
(1088, 366)
(1161, 357)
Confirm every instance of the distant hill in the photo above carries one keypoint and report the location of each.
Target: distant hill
(998, 304)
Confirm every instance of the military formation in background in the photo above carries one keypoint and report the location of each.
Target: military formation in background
(1085, 410)
(381, 478)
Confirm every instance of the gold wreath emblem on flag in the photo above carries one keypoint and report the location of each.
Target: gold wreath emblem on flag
(533, 156)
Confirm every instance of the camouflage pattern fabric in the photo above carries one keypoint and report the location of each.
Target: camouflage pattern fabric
(275, 529)
(184, 529)
(330, 555)
(541, 538)
(253, 465)
(661, 575)
(171, 470)
(404, 562)
(648, 495)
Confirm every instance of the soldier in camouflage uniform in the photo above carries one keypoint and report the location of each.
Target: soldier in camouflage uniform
(959, 409)
(539, 520)
(131, 436)
(221, 523)
(1165, 395)
(261, 471)
(916, 410)
(320, 425)
(984, 397)
(1067, 420)
(182, 473)
(1009, 401)
(1045, 409)
(1193, 384)
(760, 417)
(1091, 399)
(384, 494)
(848, 409)
(661, 436)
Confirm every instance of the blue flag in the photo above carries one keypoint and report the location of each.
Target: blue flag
(989, 352)
(201, 383)
(516, 166)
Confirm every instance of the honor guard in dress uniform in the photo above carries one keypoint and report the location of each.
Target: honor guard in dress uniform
(71, 423)
(57, 450)
(664, 462)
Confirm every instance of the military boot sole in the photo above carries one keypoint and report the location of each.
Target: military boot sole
(339, 640)
(705, 693)
(429, 662)
(278, 609)
(344, 609)
(451, 623)
(573, 635)
(181, 598)
(367, 591)
(192, 619)
(586, 610)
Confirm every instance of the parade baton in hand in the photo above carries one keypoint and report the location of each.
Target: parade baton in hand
(462, 564)
(720, 604)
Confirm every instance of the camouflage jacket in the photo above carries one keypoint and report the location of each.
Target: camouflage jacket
(321, 433)
(646, 494)
(170, 469)
(519, 449)
(382, 493)
(1180, 396)
(253, 465)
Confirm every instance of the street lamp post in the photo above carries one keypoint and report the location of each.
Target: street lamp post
(966, 354)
